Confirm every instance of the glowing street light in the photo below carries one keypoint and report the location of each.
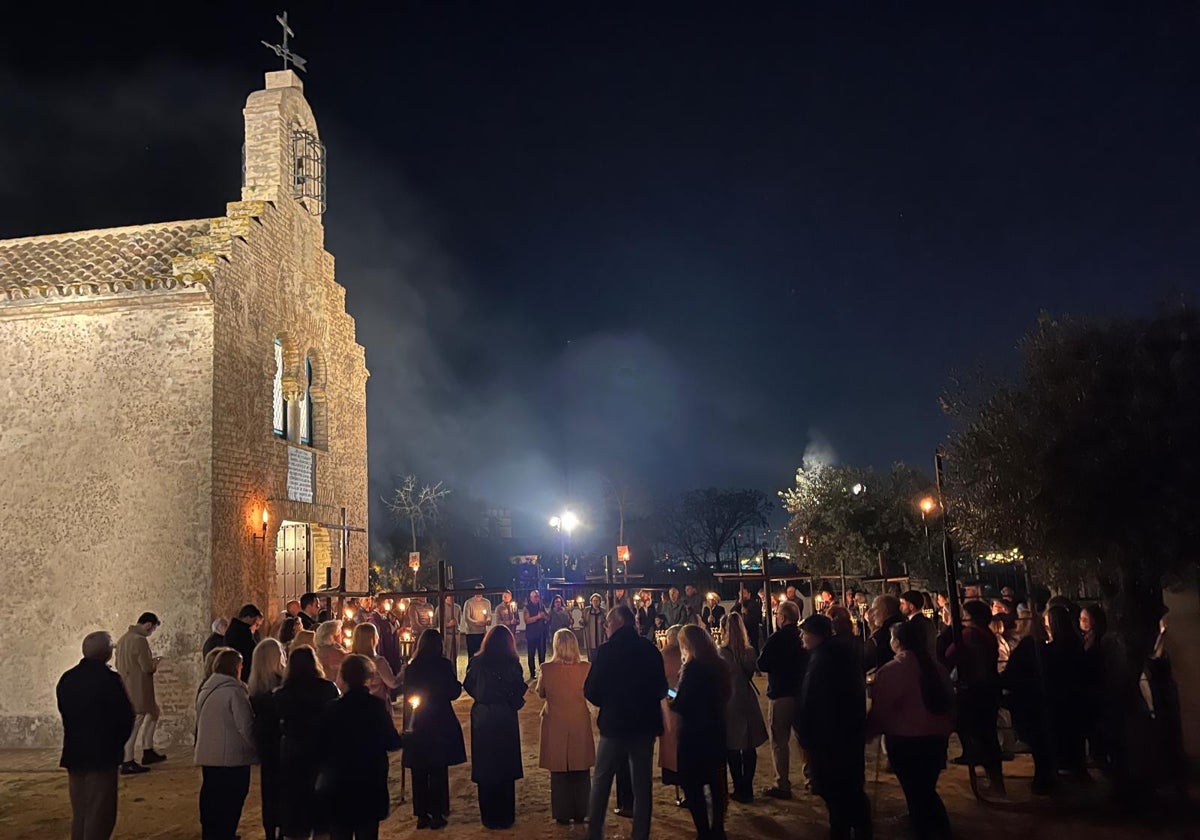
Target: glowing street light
(927, 505)
(564, 523)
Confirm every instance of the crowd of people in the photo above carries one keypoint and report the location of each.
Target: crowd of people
(312, 706)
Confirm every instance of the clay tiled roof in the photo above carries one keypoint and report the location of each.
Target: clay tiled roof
(96, 261)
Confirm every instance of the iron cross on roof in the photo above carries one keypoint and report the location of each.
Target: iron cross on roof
(282, 50)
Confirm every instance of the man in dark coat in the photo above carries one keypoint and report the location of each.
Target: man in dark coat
(885, 611)
(831, 725)
(310, 609)
(97, 720)
(783, 660)
(241, 635)
(911, 605)
(627, 683)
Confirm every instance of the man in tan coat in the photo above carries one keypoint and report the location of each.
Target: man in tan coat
(137, 665)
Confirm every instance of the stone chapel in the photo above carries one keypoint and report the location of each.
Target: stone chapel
(182, 425)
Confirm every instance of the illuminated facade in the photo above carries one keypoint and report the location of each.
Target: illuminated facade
(184, 419)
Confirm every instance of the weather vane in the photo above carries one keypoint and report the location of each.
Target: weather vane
(282, 50)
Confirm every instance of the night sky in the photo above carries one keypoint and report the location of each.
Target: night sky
(674, 243)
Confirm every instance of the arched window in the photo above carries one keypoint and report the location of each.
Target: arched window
(280, 402)
(306, 404)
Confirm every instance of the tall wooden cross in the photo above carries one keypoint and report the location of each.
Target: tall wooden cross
(282, 50)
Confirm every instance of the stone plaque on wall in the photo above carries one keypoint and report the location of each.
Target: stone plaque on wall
(302, 475)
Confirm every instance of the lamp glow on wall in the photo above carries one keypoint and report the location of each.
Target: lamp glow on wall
(266, 518)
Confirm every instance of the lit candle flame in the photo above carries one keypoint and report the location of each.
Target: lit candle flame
(414, 702)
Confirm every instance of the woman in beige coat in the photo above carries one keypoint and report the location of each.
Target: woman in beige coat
(567, 748)
(667, 745)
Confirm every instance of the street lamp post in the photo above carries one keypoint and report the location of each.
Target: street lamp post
(927, 505)
(564, 523)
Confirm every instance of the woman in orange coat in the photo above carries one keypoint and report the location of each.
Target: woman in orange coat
(568, 750)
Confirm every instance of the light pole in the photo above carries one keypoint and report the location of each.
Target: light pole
(564, 523)
(927, 506)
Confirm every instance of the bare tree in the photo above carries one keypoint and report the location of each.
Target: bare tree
(419, 505)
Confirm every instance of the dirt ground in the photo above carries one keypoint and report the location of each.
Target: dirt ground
(163, 803)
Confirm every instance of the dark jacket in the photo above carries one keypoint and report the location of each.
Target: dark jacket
(357, 733)
(831, 716)
(266, 729)
(879, 649)
(301, 710)
(214, 641)
(927, 629)
(627, 682)
(499, 691)
(712, 616)
(436, 739)
(700, 703)
(783, 660)
(751, 611)
(241, 638)
(676, 612)
(645, 619)
(97, 717)
(307, 622)
(389, 640)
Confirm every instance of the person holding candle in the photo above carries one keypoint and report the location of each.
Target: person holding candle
(507, 614)
(477, 617)
(560, 619)
(495, 681)
(536, 633)
(357, 733)
(713, 613)
(389, 642)
(433, 737)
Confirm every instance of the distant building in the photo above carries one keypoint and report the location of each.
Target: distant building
(184, 414)
(497, 523)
